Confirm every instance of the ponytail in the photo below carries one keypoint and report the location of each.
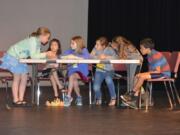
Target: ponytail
(40, 31)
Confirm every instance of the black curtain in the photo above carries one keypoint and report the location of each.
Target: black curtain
(136, 19)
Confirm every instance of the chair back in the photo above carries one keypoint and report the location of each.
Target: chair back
(167, 55)
(120, 67)
(174, 63)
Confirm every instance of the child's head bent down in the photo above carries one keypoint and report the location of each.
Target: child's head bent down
(43, 34)
(146, 45)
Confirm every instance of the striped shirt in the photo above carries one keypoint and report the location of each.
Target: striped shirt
(156, 59)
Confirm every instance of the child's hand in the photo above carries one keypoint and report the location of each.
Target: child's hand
(102, 56)
(50, 55)
(71, 56)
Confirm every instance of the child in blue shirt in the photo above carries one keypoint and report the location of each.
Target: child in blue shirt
(104, 71)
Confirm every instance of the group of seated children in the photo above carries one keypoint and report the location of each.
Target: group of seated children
(120, 48)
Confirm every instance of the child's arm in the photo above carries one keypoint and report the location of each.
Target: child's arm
(157, 70)
(93, 54)
(51, 55)
(109, 54)
(85, 54)
(68, 54)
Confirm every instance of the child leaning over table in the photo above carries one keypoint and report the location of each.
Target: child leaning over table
(126, 50)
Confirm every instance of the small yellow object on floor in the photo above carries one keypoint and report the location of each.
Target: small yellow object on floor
(56, 102)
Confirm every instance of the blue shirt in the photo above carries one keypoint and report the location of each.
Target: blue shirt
(107, 51)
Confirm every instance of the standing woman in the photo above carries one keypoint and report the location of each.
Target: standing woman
(29, 47)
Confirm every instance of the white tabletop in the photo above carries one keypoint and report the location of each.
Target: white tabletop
(87, 61)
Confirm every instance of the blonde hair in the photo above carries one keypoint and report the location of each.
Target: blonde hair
(103, 41)
(80, 43)
(123, 45)
(40, 31)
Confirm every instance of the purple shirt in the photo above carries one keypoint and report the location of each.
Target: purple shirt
(83, 68)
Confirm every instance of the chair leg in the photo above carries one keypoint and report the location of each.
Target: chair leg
(147, 97)
(176, 92)
(118, 93)
(172, 93)
(38, 94)
(147, 101)
(140, 99)
(90, 93)
(63, 96)
(169, 98)
(7, 94)
(150, 94)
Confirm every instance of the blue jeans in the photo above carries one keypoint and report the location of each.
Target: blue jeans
(99, 78)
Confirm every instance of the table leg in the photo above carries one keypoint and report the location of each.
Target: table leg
(34, 83)
(128, 77)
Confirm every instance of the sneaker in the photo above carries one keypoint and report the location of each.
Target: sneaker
(127, 97)
(67, 101)
(79, 101)
(131, 104)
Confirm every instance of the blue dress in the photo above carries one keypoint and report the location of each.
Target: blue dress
(13, 65)
(29, 47)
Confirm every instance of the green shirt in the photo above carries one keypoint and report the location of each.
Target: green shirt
(29, 47)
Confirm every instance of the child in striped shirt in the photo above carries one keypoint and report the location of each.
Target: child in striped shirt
(158, 68)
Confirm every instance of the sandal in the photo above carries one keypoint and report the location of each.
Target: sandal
(56, 98)
(63, 90)
(23, 102)
(112, 102)
(55, 102)
(17, 104)
(98, 102)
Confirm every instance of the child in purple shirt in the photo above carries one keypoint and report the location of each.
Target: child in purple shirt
(76, 71)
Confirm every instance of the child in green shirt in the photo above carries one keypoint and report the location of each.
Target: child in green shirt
(29, 47)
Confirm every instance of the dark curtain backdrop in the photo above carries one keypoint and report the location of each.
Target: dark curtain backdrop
(136, 19)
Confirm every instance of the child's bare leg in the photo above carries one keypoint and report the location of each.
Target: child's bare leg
(15, 87)
(55, 75)
(71, 84)
(53, 82)
(141, 78)
(22, 86)
(76, 84)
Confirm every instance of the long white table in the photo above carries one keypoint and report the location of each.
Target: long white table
(34, 63)
(70, 61)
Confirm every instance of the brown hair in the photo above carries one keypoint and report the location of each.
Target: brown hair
(80, 43)
(147, 43)
(59, 51)
(103, 41)
(40, 31)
